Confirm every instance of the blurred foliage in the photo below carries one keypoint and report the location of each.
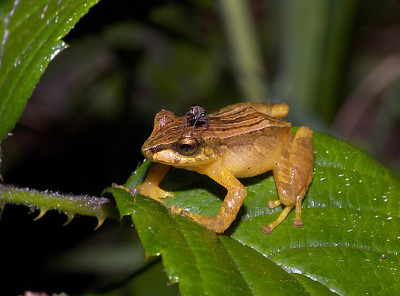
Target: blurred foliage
(333, 61)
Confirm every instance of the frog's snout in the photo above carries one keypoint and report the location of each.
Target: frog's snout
(149, 152)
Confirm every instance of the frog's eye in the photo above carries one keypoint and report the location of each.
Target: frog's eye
(188, 146)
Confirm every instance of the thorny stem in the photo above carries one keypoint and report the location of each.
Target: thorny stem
(71, 205)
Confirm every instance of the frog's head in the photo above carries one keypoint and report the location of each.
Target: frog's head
(171, 144)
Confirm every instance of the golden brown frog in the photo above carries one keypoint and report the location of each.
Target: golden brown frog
(241, 140)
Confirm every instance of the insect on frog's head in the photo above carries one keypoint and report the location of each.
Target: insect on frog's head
(170, 144)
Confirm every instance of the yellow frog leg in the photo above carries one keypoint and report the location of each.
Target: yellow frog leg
(282, 216)
(231, 204)
(273, 110)
(274, 203)
(150, 186)
(293, 176)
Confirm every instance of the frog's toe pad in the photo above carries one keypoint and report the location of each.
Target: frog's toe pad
(267, 229)
(297, 223)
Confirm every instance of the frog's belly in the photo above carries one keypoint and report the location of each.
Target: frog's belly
(252, 159)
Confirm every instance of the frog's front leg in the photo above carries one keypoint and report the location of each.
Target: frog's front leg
(293, 175)
(150, 186)
(231, 204)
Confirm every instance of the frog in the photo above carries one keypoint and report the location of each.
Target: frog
(242, 140)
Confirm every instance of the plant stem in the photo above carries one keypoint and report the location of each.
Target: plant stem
(71, 205)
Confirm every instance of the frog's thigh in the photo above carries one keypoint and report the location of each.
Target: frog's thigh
(274, 110)
(294, 174)
(231, 204)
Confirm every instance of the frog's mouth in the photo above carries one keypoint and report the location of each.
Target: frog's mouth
(149, 152)
(161, 154)
(174, 158)
(164, 156)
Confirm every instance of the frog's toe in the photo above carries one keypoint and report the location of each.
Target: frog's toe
(168, 194)
(267, 229)
(177, 210)
(134, 191)
(114, 185)
(161, 194)
(297, 223)
(152, 191)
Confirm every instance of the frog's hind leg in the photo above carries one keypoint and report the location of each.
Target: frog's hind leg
(282, 216)
(273, 110)
(231, 204)
(293, 175)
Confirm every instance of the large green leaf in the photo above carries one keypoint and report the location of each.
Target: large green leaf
(30, 34)
(349, 244)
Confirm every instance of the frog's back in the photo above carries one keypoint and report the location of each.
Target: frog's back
(248, 141)
(242, 119)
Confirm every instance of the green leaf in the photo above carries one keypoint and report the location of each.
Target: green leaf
(349, 244)
(30, 34)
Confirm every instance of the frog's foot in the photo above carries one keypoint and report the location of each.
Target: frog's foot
(297, 223)
(268, 229)
(150, 190)
(114, 185)
(215, 224)
(297, 220)
(179, 211)
(147, 189)
(132, 191)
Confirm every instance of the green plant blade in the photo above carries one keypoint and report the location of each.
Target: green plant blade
(349, 244)
(314, 36)
(30, 34)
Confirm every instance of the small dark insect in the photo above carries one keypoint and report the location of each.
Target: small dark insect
(196, 116)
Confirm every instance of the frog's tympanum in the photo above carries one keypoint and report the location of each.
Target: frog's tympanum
(241, 140)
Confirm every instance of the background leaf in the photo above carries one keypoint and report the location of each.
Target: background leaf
(349, 244)
(30, 34)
